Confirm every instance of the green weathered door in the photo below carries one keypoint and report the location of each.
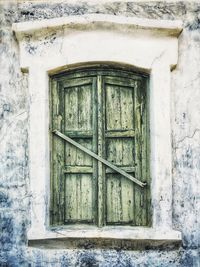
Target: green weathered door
(104, 111)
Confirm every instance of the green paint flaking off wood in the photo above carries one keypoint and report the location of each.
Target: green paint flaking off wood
(78, 197)
(78, 116)
(58, 157)
(120, 151)
(107, 114)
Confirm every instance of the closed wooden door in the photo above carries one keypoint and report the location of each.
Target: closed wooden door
(105, 112)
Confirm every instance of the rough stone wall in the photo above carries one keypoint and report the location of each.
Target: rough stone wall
(14, 169)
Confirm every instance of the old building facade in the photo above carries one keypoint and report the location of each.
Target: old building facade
(99, 106)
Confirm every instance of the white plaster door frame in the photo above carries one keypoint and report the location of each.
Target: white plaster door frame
(50, 46)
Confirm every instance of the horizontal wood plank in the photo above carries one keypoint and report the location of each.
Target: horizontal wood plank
(126, 169)
(79, 134)
(77, 82)
(78, 169)
(120, 133)
(124, 82)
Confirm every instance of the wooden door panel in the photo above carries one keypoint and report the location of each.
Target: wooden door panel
(78, 198)
(76, 157)
(120, 151)
(119, 107)
(119, 200)
(78, 108)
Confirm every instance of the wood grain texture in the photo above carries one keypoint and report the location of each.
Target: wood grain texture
(107, 115)
(58, 157)
(79, 120)
(119, 149)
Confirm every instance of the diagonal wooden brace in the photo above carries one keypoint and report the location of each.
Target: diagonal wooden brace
(92, 154)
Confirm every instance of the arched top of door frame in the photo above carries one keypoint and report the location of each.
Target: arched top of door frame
(127, 69)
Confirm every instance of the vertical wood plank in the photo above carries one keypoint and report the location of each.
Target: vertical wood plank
(146, 151)
(140, 154)
(138, 173)
(101, 153)
(95, 150)
(143, 198)
(57, 175)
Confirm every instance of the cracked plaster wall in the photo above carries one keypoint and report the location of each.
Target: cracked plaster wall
(14, 117)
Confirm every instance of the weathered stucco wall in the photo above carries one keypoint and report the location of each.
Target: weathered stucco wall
(14, 130)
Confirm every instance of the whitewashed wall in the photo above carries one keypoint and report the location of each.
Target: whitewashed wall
(14, 133)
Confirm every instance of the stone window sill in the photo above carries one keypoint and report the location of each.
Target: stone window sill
(92, 237)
